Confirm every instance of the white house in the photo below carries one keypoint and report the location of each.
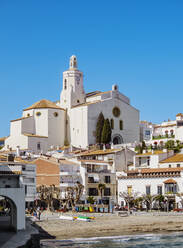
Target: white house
(157, 181)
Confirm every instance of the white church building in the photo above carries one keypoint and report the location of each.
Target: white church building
(73, 119)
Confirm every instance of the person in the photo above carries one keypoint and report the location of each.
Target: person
(35, 215)
(39, 214)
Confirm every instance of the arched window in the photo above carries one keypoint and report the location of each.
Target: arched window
(112, 124)
(121, 125)
(65, 84)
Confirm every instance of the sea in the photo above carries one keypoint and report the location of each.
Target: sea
(130, 241)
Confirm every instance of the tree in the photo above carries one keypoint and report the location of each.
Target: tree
(106, 132)
(101, 188)
(138, 202)
(73, 194)
(144, 147)
(48, 194)
(128, 197)
(99, 127)
(170, 144)
(148, 200)
(91, 199)
(159, 199)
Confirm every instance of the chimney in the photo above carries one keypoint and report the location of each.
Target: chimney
(18, 151)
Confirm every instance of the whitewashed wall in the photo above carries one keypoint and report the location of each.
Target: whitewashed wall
(139, 185)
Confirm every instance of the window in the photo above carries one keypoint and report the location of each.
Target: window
(92, 192)
(169, 166)
(25, 189)
(77, 101)
(107, 192)
(112, 124)
(178, 165)
(28, 115)
(148, 161)
(107, 179)
(55, 114)
(129, 190)
(65, 84)
(38, 113)
(147, 132)
(121, 125)
(148, 190)
(116, 111)
(90, 180)
(140, 161)
(159, 190)
(170, 188)
(38, 146)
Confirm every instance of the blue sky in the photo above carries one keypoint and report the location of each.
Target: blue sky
(137, 44)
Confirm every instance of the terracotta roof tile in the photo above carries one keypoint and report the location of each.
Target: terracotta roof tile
(22, 118)
(150, 153)
(179, 114)
(170, 181)
(43, 104)
(174, 159)
(99, 152)
(154, 170)
(34, 135)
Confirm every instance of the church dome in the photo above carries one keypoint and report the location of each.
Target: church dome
(43, 104)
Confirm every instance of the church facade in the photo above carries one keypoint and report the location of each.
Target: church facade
(73, 119)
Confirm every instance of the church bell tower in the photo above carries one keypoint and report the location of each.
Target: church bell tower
(72, 93)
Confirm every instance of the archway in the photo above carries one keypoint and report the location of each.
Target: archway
(117, 139)
(15, 199)
(8, 214)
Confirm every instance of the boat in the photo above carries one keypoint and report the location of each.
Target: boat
(65, 217)
(83, 218)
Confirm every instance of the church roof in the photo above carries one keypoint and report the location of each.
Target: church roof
(34, 135)
(43, 104)
(86, 104)
(97, 93)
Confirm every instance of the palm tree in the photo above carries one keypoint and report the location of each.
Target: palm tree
(91, 199)
(148, 200)
(101, 188)
(159, 199)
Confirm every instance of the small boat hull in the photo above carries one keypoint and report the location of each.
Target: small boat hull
(63, 217)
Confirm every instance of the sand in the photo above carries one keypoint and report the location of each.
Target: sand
(112, 225)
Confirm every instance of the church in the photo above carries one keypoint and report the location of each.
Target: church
(48, 125)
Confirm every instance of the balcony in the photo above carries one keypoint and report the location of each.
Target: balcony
(67, 184)
(98, 171)
(71, 173)
(93, 180)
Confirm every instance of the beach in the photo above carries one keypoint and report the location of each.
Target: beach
(111, 225)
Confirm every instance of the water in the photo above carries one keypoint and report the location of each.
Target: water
(131, 241)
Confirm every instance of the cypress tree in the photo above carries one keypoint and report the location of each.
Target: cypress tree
(99, 127)
(106, 132)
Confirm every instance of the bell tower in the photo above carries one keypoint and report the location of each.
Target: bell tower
(72, 93)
